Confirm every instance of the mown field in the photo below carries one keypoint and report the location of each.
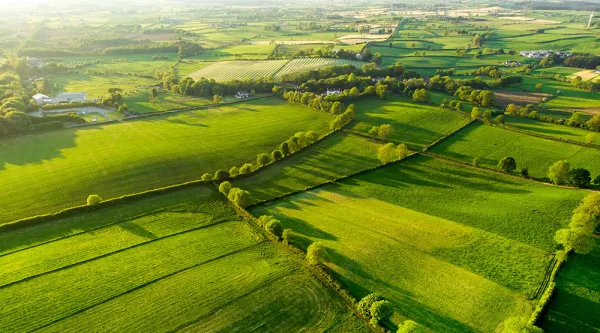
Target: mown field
(336, 156)
(69, 276)
(556, 130)
(416, 125)
(96, 86)
(49, 171)
(491, 144)
(230, 70)
(306, 64)
(576, 300)
(466, 254)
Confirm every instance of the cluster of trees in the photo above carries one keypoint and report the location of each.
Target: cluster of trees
(389, 152)
(343, 119)
(475, 96)
(584, 223)
(577, 119)
(560, 173)
(375, 308)
(587, 60)
(209, 87)
(326, 52)
(370, 69)
(590, 85)
(271, 226)
(381, 132)
(183, 49)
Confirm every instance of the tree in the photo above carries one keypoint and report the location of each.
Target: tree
(384, 131)
(225, 187)
(315, 253)
(274, 227)
(499, 119)
(579, 177)
(381, 90)
(276, 155)
(153, 93)
(507, 165)
(312, 136)
(373, 131)
(221, 175)
(284, 148)
(380, 311)
(410, 326)
(421, 95)
(217, 99)
(93, 199)
(287, 235)
(354, 92)
(206, 176)
(487, 98)
(234, 171)
(386, 152)
(576, 239)
(576, 119)
(475, 162)
(594, 123)
(559, 172)
(476, 113)
(538, 87)
(519, 325)
(590, 137)
(511, 109)
(597, 180)
(364, 306)
(525, 173)
(336, 108)
(402, 151)
(262, 159)
(239, 197)
(246, 168)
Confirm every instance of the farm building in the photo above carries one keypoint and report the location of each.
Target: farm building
(543, 54)
(334, 92)
(41, 99)
(242, 94)
(69, 97)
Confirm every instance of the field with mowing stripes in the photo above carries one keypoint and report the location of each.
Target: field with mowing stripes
(49, 171)
(336, 156)
(551, 129)
(306, 64)
(491, 144)
(461, 264)
(179, 263)
(241, 69)
(416, 125)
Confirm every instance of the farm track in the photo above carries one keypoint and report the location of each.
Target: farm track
(147, 284)
(112, 253)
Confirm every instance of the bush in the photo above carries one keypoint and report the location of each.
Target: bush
(274, 227)
(225, 187)
(221, 175)
(93, 199)
(246, 168)
(315, 253)
(507, 165)
(287, 235)
(206, 176)
(262, 159)
(234, 171)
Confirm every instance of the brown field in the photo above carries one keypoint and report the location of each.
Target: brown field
(586, 75)
(519, 98)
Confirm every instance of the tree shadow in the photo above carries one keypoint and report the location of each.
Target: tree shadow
(137, 229)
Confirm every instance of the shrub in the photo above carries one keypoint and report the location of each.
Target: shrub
(475, 162)
(206, 176)
(221, 175)
(246, 168)
(274, 227)
(225, 187)
(364, 306)
(507, 165)
(262, 159)
(239, 197)
(93, 199)
(315, 253)
(287, 235)
(525, 172)
(234, 171)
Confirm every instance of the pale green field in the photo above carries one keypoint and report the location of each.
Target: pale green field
(230, 70)
(306, 64)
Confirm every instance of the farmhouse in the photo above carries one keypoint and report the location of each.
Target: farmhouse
(41, 99)
(69, 97)
(511, 63)
(333, 92)
(242, 94)
(539, 54)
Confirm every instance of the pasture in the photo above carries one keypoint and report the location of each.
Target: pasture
(96, 86)
(71, 276)
(490, 144)
(336, 156)
(230, 70)
(441, 225)
(49, 171)
(416, 125)
(556, 130)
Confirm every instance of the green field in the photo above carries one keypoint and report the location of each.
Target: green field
(230, 70)
(460, 262)
(551, 129)
(490, 144)
(306, 64)
(96, 86)
(576, 300)
(46, 172)
(336, 156)
(142, 103)
(117, 260)
(416, 125)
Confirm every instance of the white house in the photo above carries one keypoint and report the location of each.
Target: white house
(333, 92)
(41, 99)
(69, 97)
(242, 94)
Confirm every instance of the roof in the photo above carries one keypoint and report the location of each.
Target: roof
(37, 96)
(74, 95)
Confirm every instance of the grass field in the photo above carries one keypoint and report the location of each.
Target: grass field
(490, 144)
(83, 279)
(141, 101)
(336, 156)
(230, 70)
(45, 172)
(576, 300)
(556, 130)
(417, 125)
(96, 86)
(440, 225)
(306, 64)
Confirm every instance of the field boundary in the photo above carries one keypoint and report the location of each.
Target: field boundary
(548, 289)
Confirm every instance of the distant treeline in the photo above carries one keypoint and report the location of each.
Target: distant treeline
(183, 48)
